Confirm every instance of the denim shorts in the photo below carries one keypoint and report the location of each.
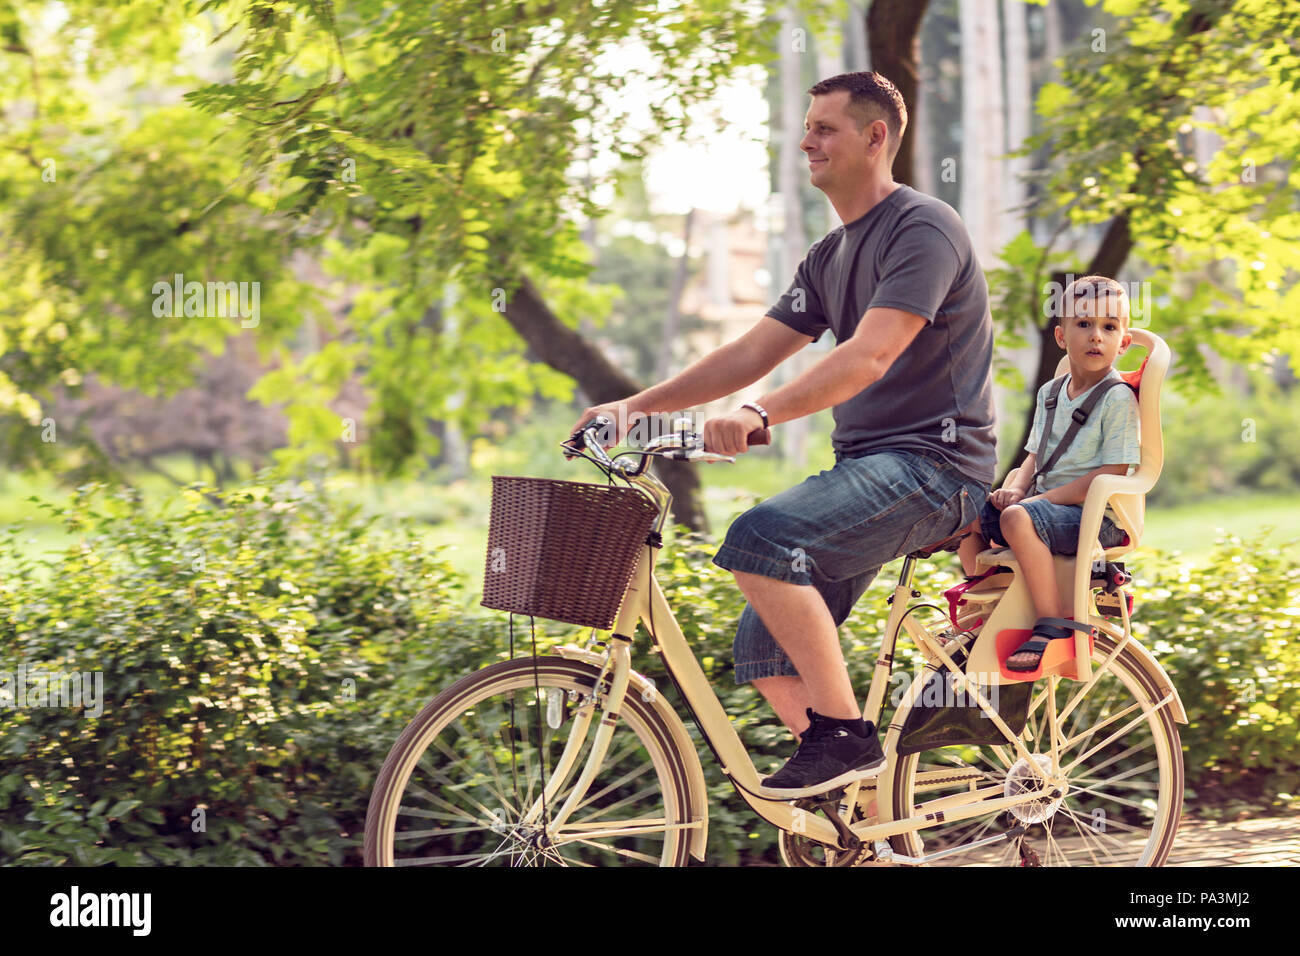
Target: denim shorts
(1057, 526)
(836, 529)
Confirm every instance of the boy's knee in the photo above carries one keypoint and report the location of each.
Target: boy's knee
(1013, 517)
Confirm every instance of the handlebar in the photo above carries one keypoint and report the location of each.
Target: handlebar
(682, 444)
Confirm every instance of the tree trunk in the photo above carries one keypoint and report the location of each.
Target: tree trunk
(1018, 98)
(565, 350)
(980, 172)
(894, 37)
(855, 34)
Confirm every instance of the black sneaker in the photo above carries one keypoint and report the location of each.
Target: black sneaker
(829, 756)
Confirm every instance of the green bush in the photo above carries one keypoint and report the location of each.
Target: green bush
(259, 659)
(249, 681)
(1225, 632)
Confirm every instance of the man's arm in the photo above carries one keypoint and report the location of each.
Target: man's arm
(722, 372)
(881, 337)
(725, 370)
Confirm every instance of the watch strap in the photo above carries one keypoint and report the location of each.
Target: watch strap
(758, 408)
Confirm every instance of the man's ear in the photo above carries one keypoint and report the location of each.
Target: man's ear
(884, 141)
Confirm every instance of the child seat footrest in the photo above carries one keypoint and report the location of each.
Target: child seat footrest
(1058, 658)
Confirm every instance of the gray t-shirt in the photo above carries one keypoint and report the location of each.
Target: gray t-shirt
(911, 252)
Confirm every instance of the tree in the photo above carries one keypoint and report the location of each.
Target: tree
(1214, 245)
(416, 148)
(893, 33)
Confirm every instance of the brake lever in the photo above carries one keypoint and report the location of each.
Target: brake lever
(578, 440)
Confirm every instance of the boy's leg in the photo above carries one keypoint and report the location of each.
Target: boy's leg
(1035, 559)
(970, 548)
(984, 532)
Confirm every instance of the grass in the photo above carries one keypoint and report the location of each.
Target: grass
(453, 516)
(1187, 531)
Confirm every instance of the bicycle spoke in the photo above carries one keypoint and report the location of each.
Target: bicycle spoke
(1084, 714)
(1083, 836)
(1122, 801)
(614, 762)
(1051, 842)
(1123, 755)
(431, 815)
(635, 811)
(1110, 743)
(1111, 739)
(1080, 739)
(620, 804)
(1098, 672)
(1115, 782)
(498, 791)
(420, 834)
(961, 837)
(438, 860)
(1119, 825)
(630, 854)
(459, 813)
(627, 778)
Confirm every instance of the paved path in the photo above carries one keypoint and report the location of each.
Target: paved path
(1266, 841)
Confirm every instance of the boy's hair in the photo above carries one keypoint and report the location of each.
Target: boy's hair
(1091, 289)
(871, 98)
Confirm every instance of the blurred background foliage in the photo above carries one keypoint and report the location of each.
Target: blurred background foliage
(447, 212)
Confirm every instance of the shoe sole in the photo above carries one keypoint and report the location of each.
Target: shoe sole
(847, 777)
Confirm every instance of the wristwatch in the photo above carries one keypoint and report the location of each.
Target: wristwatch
(758, 408)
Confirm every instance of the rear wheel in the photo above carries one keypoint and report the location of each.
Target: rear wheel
(1121, 778)
(463, 785)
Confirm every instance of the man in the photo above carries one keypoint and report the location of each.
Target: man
(910, 382)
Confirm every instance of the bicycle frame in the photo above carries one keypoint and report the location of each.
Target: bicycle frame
(650, 607)
(646, 604)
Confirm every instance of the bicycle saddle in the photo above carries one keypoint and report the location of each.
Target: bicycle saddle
(945, 544)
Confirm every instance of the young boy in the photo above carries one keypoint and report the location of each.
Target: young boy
(1039, 518)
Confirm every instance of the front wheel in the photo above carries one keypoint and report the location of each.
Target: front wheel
(463, 785)
(1120, 780)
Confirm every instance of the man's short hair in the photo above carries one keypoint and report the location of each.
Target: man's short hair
(1092, 289)
(871, 98)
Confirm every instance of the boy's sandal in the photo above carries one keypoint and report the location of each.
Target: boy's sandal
(1045, 629)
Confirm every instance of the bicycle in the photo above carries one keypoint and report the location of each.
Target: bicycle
(503, 768)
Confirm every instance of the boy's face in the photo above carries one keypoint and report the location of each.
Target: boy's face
(1092, 332)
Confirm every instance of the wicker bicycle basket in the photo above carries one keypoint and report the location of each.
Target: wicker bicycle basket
(563, 550)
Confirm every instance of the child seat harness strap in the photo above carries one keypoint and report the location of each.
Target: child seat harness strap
(1079, 416)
